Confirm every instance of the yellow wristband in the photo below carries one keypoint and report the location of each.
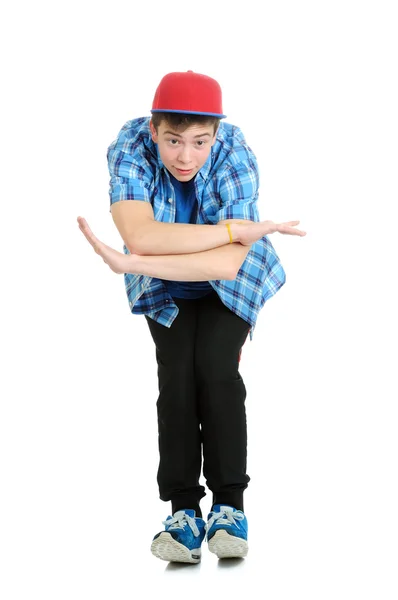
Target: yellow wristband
(230, 234)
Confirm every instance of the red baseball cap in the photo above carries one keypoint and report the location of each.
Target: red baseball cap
(190, 93)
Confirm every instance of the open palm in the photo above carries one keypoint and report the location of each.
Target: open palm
(251, 232)
(116, 261)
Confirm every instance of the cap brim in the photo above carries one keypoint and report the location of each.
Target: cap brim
(188, 112)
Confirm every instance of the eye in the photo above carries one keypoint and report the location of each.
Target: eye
(173, 142)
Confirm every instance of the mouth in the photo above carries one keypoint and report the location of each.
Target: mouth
(184, 171)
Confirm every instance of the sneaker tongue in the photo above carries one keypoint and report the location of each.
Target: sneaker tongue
(188, 511)
(221, 507)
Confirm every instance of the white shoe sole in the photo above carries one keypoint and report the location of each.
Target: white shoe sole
(227, 546)
(166, 547)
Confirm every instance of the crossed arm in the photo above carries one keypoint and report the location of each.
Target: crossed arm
(222, 262)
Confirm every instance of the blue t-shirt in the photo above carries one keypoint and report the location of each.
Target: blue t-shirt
(186, 209)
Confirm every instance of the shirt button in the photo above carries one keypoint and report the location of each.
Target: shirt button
(170, 200)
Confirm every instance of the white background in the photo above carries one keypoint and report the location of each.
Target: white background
(313, 86)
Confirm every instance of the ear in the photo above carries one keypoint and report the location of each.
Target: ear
(153, 132)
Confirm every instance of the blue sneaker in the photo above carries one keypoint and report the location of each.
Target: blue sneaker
(182, 538)
(226, 530)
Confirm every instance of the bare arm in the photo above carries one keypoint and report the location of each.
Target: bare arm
(156, 238)
(141, 234)
(218, 263)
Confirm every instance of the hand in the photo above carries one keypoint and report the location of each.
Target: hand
(117, 261)
(251, 232)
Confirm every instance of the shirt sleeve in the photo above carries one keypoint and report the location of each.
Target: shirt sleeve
(129, 180)
(239, 193)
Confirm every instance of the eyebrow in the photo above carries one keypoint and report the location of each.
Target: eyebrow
(180, 136)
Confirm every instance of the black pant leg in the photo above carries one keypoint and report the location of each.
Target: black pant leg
(180, 447)
(222, 393)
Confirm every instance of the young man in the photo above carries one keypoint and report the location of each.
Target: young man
(197, 263)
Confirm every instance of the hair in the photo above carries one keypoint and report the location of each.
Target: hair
(181, 121)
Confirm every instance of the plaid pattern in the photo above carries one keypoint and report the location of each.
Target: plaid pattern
(226, 188)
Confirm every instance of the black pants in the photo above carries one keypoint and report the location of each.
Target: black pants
(201, 404)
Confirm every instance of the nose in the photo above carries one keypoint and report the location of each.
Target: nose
(184, 155)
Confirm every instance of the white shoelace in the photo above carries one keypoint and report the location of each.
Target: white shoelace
(226, 516)
(179, 520)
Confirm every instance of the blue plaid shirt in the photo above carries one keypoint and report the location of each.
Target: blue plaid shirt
(226, 188)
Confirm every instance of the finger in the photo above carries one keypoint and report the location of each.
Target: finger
(88, 234)
(86, 230)
(293, 232)
(289, 229)
(84, 225)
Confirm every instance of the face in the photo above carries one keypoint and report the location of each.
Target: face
(183, 153)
